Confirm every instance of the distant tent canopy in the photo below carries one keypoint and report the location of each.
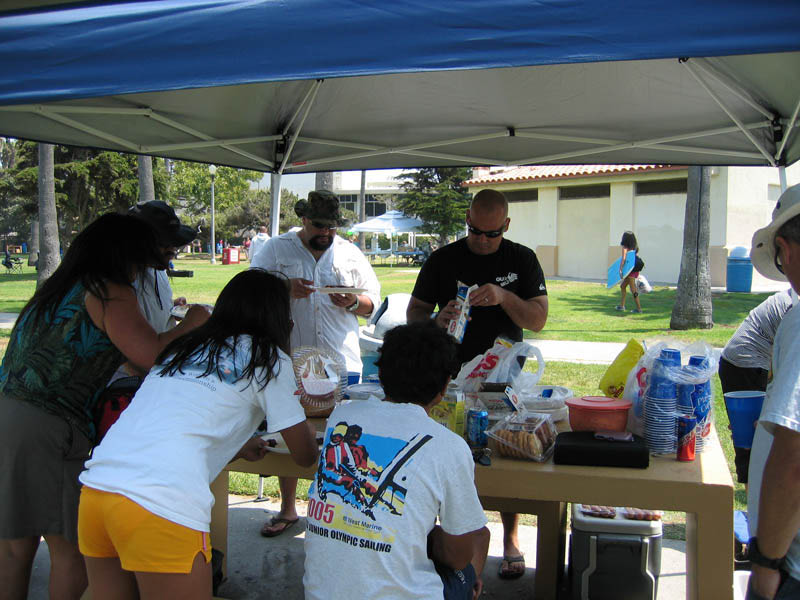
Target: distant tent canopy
(291, 87)
(389, 223)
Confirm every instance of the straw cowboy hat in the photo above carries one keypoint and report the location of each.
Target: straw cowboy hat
(762, 251)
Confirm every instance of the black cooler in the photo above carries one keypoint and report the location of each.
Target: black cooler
(613, 559)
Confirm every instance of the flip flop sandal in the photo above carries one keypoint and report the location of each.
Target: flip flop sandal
(287, 523)
(507, 573)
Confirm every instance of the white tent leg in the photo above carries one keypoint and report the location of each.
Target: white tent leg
(274, 208)
(782, 177)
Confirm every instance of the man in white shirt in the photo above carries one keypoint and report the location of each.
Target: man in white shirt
(774, 491)
(258, 242)
(386, 474)
(152, 288)
(314, 258)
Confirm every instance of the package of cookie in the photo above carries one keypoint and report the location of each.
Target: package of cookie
(524, 435)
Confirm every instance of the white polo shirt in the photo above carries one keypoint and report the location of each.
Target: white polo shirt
(318, 322)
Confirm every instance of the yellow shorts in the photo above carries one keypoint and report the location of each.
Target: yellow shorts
(111, 525)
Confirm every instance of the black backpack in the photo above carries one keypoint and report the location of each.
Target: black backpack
(638, 264)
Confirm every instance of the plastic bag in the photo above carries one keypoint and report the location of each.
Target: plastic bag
(643, 285)
(614, 379)
(692, 381)
(501, 365)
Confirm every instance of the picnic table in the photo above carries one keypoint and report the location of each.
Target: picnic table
(703, 489)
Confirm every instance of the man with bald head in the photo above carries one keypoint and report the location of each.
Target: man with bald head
(511, 296)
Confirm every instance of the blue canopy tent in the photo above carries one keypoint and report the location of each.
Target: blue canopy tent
(317, 85)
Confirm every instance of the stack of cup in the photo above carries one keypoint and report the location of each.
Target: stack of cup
(661, 401)
(701, 402)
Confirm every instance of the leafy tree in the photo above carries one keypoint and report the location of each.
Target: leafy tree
(692, 308)
(87, 183)
(437, 196)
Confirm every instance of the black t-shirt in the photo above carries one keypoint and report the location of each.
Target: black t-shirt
(513, 267)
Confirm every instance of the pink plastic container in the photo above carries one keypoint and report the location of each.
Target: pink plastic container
(598, 413)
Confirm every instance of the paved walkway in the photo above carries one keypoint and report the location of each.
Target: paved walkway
(261, 569)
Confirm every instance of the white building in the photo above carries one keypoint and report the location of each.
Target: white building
(380, 188)
(574, 216)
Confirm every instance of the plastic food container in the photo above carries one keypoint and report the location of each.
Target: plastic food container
(598, 413)
(525, 435)
(321, 377)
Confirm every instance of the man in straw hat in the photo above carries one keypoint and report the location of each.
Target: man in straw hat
(314, 258)
(774, 492)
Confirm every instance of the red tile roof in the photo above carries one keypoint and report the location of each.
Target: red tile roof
(484, 175)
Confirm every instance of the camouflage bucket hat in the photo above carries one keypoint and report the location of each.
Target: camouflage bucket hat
(322, 206)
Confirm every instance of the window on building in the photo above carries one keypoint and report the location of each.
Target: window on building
(660, 187)
(576, 192)
(531, 195)
(372, 206)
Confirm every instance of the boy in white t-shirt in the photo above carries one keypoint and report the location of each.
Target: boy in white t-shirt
(386, 473)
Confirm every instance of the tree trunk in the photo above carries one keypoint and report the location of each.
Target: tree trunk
(324, 181)
(692, 309)
(33, 249)
(48, 219)
(147, 192)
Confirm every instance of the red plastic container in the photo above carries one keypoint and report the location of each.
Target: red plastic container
(598, 413)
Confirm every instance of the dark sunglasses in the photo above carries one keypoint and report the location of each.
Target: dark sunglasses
(321, 225)
(488, 234)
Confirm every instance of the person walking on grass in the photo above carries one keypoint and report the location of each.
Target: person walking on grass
(629, 244)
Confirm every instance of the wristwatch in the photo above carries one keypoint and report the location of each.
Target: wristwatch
(354, 306)
(755, 557)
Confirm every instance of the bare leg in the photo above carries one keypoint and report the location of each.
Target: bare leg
(67, 570)
(511, 539)
(622, 292)
(633, 285)
(108, 580)
(16, 560)
(288, 487)
(177, 586)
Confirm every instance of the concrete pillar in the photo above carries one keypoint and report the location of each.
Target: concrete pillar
(621, 217)
(547, 230)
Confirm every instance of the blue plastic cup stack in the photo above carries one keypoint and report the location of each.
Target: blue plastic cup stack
(701, 401)
(661, 403)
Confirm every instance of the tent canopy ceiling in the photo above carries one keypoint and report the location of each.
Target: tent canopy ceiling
(339, 84)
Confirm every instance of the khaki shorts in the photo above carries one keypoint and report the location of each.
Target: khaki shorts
(111, 526)
(41, 456)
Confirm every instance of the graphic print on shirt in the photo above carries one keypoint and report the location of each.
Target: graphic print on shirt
(361, 486)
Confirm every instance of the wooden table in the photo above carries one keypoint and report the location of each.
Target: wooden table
(703, 489)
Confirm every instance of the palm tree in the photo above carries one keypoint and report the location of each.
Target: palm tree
(147, 190)
(692, 309)
(49, 256)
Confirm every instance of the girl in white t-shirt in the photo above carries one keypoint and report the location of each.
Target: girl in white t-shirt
(145, 508)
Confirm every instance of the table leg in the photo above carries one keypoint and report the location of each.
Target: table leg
(219, 517)
(709, 553)
(550, 546)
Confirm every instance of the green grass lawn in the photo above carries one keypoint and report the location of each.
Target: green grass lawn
(578, 311)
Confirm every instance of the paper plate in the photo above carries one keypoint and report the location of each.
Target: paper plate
(340, 290)
(321, 378)
(179, 312)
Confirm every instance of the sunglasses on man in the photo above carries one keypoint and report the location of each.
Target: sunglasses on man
(488, 234)
(322, 225)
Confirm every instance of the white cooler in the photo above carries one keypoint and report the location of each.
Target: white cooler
(614, 559)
